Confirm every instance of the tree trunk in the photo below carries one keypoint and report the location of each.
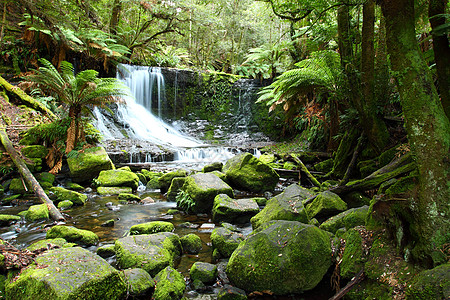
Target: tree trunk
(427, 128)
(441, 50)
(115, 16)
(29, 178)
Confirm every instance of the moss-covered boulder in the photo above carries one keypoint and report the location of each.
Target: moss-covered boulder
(34, 151)
(106, 250)
(6, 220)
(74, 186)
(129, 197)
(67, 273)
(140, 283)
(152, 252)
(87, 165)
(170, 285)
(72, 234)
(216, 166)
(225, 241)
(249, 173)
(281, 256)
(17, 186)
(325, 204)
(113, 190)
(355, 199)
(151, 227)
(205, 272)
(285, 206)
(202, 188)
(347, 219)
(61, 194)
(354, 257)
(166, 179)
(46, 179)
(226, 209)
(44, 244)
(122, 178)
(191, 243)
(229, 292)
(37, 212)
(175, 187)
(66, 204)
(324, 166)
(431, 284)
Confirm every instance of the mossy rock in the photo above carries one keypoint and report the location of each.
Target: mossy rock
(151, 227)
(324, 166)
(355, 199)
(140, 283)
(106, 251)
(61, 194)
(170, 285)
(347, 219)
(285, 206)
(325, 204)
(431, 284)
(67, 273)
(66, 204)
(247, 172)
(129, 197)
(283, 257)
(6, 220)
(216, 166)
(205, 272)
(34, 164)
(191, 243)
(175, 187)
(226, 209)
(74, 186)
(152, 252)
(142, 178)
(34, 151)
(353, 257)
(268, 158)
(113, 190)
(17, 187)
(202, 188)
(46, 178)
(37, 212)
(225, 240)
(229, 292)
(43, 244)
(87, 165)
(166, 179)
(122, 178)
(72, 234)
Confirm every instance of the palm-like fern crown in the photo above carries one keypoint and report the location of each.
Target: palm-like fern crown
(320, 73)
(84, 88)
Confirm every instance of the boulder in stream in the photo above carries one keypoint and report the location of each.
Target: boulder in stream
(191, 243)
(6, 220)
(166, 179)
(170, 285)
(87, 165)
(114, 178)
(286, 206)
(37, 212)
(151, 227)
(225, 241)
(247, 172)
(235, 211)
(140, 283)
(204, 272)
(61, 194)
(72, 234)
(283, 257)
(113, 190)
(67, 273)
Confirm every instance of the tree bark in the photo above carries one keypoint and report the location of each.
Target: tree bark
(115, 16)
(427, 128)
(29, 178)
(441, 50)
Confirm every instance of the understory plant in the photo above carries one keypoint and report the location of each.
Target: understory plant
(185, 201)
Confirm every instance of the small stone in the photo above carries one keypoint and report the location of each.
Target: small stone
(109, 223)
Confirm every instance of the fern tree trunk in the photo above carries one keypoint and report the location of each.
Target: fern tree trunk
(73, 132)
(428, 130)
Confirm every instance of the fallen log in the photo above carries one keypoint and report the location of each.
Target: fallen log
(355, 280)
(305, 170)
(29, 178)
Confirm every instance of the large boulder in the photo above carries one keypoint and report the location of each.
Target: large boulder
(61, 194)
(202, 188)
(67, 273)
(226, 209)
(347, 219)
(114, 178)
(247, 172)
(170, 285)
(72, 234)
(87, 165)
(281, 256)
(286, 206)
(325, 205)
(37, 212)
(152, 252)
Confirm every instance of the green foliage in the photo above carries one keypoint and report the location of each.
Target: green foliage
(169, 56)
(49, 133)
(184, 201)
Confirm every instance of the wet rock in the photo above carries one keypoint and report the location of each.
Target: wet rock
(113, 190)
(129, 197)
(76, 187)
(109, 223)
(216, 166)
(151, 227)
(347, 219)
(139, 281)
(283, 257)
(50, 244)
(175, 187)
(106, 251)
(66, 204)
(67, 273)
(72, 234)
(118, 178)
(166, 179)
(61, 194)
(236, 211)
(228, 292)
(170, 285)
(205, 272)
(191, 243)
(87, 165)
(225, 241)
(37, 212)
(285, 206)
(148, 200)
(249, 173)
(6, 220)
(325, 204)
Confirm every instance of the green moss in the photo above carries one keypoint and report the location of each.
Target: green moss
(166, 179)
(151, 227)
(61, 194)
(216, 166)
(129, 197)
(205, 272)
(6, 220)
(325, 204)
(17, 186)
(353, 258)
(66, 204)
(431, 284)
(87, 165)
(113, 190)
(324, 166)
(60, 242)
(191, 243)
(236, 211)
(139, 281)
(72, 234)
(225, 240)
(35, 151)
(170, 285)
(37, 212)
(106, 251)
(347, 219)
(122, 178)
(175, 187)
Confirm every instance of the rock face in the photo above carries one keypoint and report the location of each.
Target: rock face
(285, 206)
(202, 188)
(226, 209)
(325, 204)
(87, 165)
(72, 234)
(118, 178)
(281, 256)
(67, 273)
(347, 219)
(249, 173)
(151, 252)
